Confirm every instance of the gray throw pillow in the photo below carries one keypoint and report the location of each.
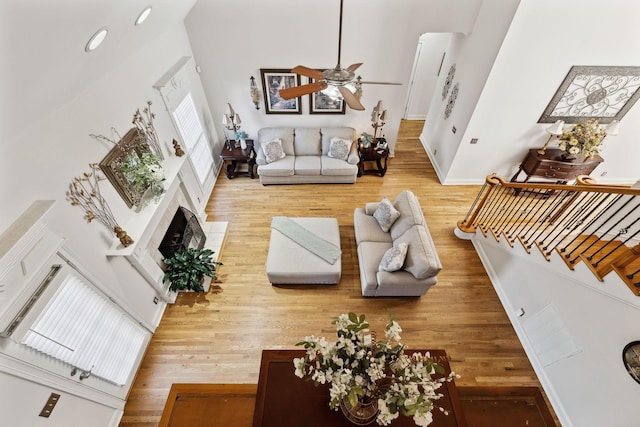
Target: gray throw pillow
(273, 150)
(339, 148)
(393, 258)
(386, 214)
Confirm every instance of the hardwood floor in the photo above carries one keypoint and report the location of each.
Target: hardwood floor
(219, 338)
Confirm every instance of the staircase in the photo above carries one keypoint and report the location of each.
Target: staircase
(564, 261)
(594, 224)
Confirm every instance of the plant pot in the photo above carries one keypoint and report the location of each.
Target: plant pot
(363, 413)
(243, 144)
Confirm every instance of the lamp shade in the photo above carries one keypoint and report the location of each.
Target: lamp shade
(613, 128)
(556, 128)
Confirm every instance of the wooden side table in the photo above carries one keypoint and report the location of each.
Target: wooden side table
(372, 155)
(235, 156)
(550, 166)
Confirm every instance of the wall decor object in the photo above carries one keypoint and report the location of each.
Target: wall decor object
(129, 150)
(448, 81)
(631, 359)
(272, 81)
(325, 102)
(255, 94)
(594, 92)
(452, 100)
(84, 191)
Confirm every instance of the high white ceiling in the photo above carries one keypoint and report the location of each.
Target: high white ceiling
(44, 64)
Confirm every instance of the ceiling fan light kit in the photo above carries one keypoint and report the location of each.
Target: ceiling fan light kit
(341, 78)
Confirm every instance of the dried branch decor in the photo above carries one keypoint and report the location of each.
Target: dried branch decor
(84, 191)
(144, 122)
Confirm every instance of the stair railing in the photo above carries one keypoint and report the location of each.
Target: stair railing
(585, 222)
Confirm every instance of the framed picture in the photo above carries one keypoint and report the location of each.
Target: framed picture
(594, 92)
(272, 81)
(322, 103)
(128, 150)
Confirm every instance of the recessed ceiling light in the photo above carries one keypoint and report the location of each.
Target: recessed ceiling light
(143, 15)
(96, 39)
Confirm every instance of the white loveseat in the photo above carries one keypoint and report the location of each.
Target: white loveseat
(417, 271)
(308, 155)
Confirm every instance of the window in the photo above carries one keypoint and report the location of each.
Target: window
(195, 140)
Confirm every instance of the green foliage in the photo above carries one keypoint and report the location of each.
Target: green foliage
(144, 172)
(240, 134)
(367, 139)
(187, 268)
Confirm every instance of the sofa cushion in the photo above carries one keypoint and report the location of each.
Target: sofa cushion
(337, 167)
(367, 228)
(410, 213)
(333, 132)
(339, 148)
(307, 165)
(307, 142)
(273, 150)
(282, 167)
(422, 260)
(393, 258)
(386, 214)
(282, 133)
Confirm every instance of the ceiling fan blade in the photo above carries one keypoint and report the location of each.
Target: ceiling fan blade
(296, 91)
(350, 99)
(307, 72)
(354, 67)
(378, 83)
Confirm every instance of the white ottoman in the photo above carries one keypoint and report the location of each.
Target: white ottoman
(290, 263)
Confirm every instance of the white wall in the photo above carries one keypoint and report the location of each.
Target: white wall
(233, 40)
(583, 374)
(473, 56)
(547, 38)
(426, 68)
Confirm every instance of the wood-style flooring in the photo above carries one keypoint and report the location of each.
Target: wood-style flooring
(219, 337)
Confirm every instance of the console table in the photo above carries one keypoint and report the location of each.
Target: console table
(235, 156)
(550, 166)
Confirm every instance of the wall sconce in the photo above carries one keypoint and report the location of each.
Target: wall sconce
(255, 95)
(378, 118)
(556, 130)
(230, 121)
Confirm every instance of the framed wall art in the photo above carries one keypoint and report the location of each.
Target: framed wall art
(130, 148)
(594, 92)
(272, 81)
(322, 103)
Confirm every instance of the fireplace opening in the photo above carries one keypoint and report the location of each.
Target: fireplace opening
(183, 232)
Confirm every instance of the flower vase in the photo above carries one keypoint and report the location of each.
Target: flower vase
(363, 413)
(566, 157)
(243, 144)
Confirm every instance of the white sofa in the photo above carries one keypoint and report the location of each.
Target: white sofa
(307, 157)
(421, 265)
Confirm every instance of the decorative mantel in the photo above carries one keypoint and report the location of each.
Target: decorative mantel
(148, 226)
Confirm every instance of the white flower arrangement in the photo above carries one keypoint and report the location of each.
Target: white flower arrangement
(358, 367)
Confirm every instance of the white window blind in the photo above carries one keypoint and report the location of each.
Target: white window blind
(195, 140)
(82, 328)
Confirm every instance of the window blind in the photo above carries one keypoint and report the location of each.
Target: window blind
(195, 140)
(82, 328)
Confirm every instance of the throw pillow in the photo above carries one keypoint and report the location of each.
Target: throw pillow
(339, 148)
(386, 214)
(273, 150)
(393, 258)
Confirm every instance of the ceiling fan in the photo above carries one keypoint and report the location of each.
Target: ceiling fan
(337, 77)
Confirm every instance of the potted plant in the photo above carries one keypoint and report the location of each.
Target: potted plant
(366, 139)
(187, 268)
(241, 137)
